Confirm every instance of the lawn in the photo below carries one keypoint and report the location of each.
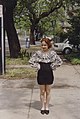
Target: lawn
(73, 58)
(19, 68)
(16, 68)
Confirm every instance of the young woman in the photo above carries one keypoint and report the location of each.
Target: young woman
(45, 60)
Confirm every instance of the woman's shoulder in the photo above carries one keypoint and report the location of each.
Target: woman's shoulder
(38, 51)
(52, 52)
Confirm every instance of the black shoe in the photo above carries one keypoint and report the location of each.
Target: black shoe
(47, 112)
(42, 111)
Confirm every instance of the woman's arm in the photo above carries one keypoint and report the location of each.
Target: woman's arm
(57, 61)
(33, 61)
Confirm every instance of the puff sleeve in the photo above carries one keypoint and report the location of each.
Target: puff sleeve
(34, 61)
(56, 61)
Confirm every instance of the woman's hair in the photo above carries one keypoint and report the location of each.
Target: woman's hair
(48, 42)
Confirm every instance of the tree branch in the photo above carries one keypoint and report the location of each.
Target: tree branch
(45, 14)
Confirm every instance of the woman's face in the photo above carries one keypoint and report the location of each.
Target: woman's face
(44, 46)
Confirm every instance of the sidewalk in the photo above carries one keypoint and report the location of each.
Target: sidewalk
(19, 99)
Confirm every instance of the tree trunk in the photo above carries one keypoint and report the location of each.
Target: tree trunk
(14, 45)
(32, 38)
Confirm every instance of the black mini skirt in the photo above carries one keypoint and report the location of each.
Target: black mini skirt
(45, 74)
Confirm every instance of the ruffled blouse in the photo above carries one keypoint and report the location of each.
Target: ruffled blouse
(46, 57)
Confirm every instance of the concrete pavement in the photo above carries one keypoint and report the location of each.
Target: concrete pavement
(19, 99)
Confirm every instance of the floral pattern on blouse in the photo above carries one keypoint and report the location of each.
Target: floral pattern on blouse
(46, 57)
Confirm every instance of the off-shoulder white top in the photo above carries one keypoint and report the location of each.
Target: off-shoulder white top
(46, 57)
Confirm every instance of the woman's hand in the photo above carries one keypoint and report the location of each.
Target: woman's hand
(38, 66)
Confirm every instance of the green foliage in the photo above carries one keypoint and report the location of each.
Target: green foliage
(73, 10)
(21, 18)
(75, 61)
(20, 73)
(74, 32)
(28, 12)
(23, 53)
(73, 58)
(17, 61)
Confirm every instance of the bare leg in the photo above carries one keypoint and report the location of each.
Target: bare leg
(48, 88)
(42, 96)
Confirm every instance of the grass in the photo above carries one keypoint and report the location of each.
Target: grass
(18, 72)
(23, 59)
(21, 71)
(17, 61)
(73, 58)
(16, 69)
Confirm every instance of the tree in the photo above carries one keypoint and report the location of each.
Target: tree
(74, 32)
(14, 45)
(36, 10)
(73, 11)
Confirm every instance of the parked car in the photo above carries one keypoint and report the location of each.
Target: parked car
(63, 47)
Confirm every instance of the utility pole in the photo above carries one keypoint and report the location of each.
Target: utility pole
(2, 44)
